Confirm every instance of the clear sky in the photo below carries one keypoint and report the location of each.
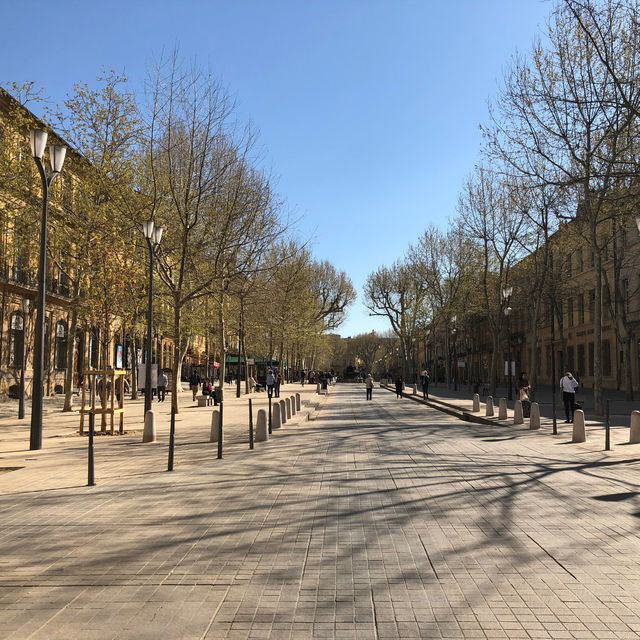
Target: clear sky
(368, 110)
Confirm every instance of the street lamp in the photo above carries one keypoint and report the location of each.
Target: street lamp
(25, 310)
(38, 142)
(153, 234)
(454, 333)
(507, 292)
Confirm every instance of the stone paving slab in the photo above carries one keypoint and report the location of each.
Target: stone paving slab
(381, 519)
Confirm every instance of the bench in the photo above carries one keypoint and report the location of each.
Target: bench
(204, 401)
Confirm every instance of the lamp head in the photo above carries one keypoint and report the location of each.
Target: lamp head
(57, 154)
(38, 142)
(147, 228)
(507, 311)
(507, 291)
(157, 235)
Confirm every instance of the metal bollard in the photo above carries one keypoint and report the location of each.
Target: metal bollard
(270, 414)
(607, 429)
(172, 436)
(250, 425)
(220, 433)
(91, 479)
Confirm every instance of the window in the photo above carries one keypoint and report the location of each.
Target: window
(93, 350)
(61, 345)
(16, 339)
(570, 312)
(626, 295)
(569, 363)
(592, 259)
(606, 358)
(580, 261)
(580, 364)
(606, 301)
(581, 309)
(591, 358)
(592, 304)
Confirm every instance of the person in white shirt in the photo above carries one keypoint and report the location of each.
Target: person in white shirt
(569, 384)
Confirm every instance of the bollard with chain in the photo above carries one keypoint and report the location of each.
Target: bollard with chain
(172, 434)
(91, 479)
(250, 425)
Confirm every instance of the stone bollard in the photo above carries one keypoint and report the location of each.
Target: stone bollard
(292, 400)
(283, 412)
(287, 404)
(534, 416)
(215, 426)
(489, 411)
(276, 416)
(517, 413)
(149, 433)
(318, 386)
(476, 402)
(261, 426)
(297, 402)
(579, 432)
(634, 428)
(415, 389)
(502, 409)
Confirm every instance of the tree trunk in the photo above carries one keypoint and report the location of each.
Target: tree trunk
(597, 336)
(134, 367)
(223, 347)
(176, 370)
(68, 380)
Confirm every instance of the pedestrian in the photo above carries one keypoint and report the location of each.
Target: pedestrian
(194, 383)
(569, 384)
(276, 384)
(207, 389)
(252, 384)
(271, 380)
(369, 384)
(522, 391)
(425, 378)
(399, 386)
(163, 381)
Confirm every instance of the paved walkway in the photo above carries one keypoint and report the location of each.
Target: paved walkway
(382, 519)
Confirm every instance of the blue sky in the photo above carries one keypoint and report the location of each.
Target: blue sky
(368, 110)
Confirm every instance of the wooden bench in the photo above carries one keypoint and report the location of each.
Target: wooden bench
(204, 401)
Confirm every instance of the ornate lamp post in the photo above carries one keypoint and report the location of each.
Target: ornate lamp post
(38, 142)
(25, 310)
(153, 235)
(507, 292)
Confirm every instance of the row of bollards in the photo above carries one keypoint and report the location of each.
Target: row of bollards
(283, 410)
(578, 427)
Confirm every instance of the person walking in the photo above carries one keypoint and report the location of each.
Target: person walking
(569, 384)
(163, 381)
(271, 380)
(425, 378)
(399, 386)
(194, 383)
(276, 384)
(369, 385)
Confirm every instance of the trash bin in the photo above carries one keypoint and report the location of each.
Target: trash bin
(217, 396)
